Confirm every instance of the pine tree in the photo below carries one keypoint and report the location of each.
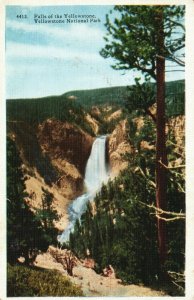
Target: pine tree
(25, 233)
(46, 215)
(142, 38)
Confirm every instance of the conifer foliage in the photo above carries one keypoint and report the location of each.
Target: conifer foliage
(26, 233)
(120, 227)
(144, 38)
(121, 232)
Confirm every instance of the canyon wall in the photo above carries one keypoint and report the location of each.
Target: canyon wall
(118, 145)
(54, 156)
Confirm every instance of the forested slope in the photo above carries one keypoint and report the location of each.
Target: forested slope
(59, 107)
(121, 227)
(50, 139)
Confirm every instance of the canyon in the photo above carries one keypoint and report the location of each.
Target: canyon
(70, 157)
(55, 154)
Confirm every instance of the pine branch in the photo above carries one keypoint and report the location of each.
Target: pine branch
(145, 176)
(177, 274)
(145, 70)
(169, 219)
(176, 23)
(175, 71)
(159, 212)
(175, 59)
(176, 144)
(177, 278)
(170, 168)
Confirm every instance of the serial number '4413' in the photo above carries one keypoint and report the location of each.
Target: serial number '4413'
(21, 16)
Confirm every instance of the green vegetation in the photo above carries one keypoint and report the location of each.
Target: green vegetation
(46, 213)
(143, 38)
(123, 230)
(134, 32)
(27, 233)
(137, 222)
(35, 111)
(32, 155)
(119, 95)
(175, 98)
(96, 97)
(25, 281)
(121, 207)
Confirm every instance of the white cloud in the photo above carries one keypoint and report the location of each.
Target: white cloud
(73, 31)
(21, 50)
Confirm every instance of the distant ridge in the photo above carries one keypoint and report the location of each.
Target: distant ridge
(45, 106)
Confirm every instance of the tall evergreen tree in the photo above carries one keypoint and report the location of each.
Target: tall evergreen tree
(25, 232)
(15, 205)
(142, 38)
(46, 214)
(161, 154)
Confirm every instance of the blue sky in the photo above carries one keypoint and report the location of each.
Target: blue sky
(50, 59)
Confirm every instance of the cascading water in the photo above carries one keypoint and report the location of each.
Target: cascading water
(95, 174)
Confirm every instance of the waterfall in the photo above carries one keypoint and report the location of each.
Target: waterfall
(95, 175)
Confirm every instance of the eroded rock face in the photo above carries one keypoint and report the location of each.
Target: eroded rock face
(95, 111)
(68, 149)
(117, 146)
(114, 115)
(93, 123)
(63, 141)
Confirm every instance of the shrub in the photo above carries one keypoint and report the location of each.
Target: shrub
(31, 281)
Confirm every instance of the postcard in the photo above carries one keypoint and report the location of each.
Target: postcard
(97, 179)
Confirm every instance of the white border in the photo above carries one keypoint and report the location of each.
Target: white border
(189, 132)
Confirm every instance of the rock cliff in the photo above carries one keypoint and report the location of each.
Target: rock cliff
(118, 145)
(64, 141)
(54, 157)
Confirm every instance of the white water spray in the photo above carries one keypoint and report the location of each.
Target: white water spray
(95, 175)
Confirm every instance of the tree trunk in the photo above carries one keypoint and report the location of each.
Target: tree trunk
(161, 155)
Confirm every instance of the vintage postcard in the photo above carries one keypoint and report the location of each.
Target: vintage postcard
(96, 108)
